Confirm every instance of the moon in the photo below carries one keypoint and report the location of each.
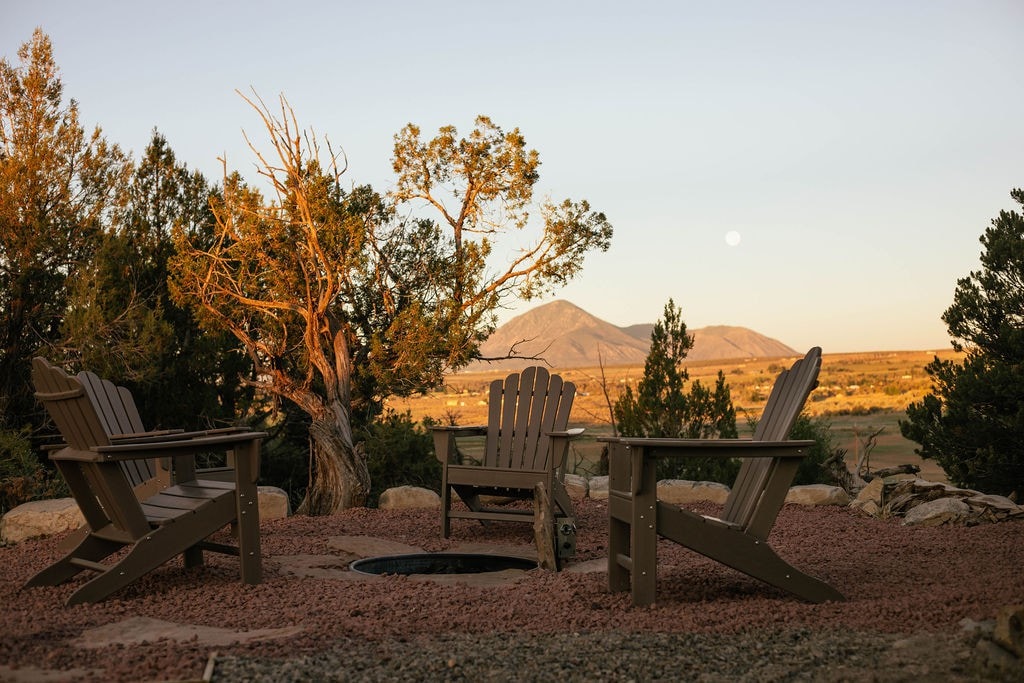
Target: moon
(732, 238)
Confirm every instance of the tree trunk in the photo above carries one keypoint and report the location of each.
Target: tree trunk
(340, 478)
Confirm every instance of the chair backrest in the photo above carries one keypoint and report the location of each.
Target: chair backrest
(790, 392)
(68, 403)
(116, 409)
(104, 496)
(522, 408)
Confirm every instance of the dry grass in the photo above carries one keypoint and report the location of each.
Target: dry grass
(857, 392)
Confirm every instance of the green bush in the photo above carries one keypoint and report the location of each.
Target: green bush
(400, 452)
(662, 406)
(22, 476)
(812, 468)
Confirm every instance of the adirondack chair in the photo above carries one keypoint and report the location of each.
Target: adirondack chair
(739, 537)
(526, 444)
(177, 519)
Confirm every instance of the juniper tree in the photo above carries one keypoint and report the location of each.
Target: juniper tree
(972, 422)
(662, 406)
(343, 297)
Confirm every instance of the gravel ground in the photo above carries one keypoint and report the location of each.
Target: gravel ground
(910, 591)
(792, 655)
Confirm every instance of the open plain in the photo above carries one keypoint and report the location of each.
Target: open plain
(859, 394)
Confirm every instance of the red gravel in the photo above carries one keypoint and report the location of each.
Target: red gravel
(899, 580)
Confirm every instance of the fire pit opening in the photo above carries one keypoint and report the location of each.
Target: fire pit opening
(440, 563)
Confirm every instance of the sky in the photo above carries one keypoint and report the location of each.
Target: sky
(817, 171)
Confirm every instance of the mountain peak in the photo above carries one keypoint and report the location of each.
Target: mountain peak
(566, 336)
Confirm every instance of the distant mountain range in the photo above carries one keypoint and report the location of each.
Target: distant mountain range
(566, 336)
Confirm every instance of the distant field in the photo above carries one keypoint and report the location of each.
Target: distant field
(857, 393)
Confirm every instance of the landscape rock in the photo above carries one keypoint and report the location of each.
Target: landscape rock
(273, 502)
(40, 518)
(966, 506)
(869, 508)
(576, 486)
(597, 488)
(869, 500)
(997, 657)
(1009, 629)
(818, 494)
(936, 512)
(1000, 505)
(681, 491)
(409, 497)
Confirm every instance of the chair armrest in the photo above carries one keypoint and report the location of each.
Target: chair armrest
(156, 435)
(459, 430)
(567, 434)
(172, 446)
(445, 436)
(715, 448)
(560, 446)
(172, 434)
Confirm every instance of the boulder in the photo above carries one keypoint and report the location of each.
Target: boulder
(597, 488)
(681, 491)
(869, 499)
(938, 511)
(576, 486)
(1009, 629)
(903, 499)
(409, 497)
(273, 502)
(40, 518)
(818, 494)
(997, 506)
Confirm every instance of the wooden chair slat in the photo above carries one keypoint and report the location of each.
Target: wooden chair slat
(545, 418)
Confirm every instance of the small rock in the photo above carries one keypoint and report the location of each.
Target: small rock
(1009, 630)
(996, 656)
(681, 492)
(597, 488)
(818, 494)
(408, 498)
(870, 497)
(576, 486)
(40, 518)
(936, 512)
(273, 502)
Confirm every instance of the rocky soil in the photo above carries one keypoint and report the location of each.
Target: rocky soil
(911, 592)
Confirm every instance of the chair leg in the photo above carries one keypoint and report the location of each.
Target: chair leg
(446, 506)
(767, 566)
(742, 552)
(562, 500)
(91, 549)
(193, 557)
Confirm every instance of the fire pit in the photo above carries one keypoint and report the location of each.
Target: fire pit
(440, 563)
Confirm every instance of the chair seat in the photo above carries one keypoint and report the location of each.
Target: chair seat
(182, 499)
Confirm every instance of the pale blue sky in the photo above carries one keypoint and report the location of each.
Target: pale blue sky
(858, 148)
